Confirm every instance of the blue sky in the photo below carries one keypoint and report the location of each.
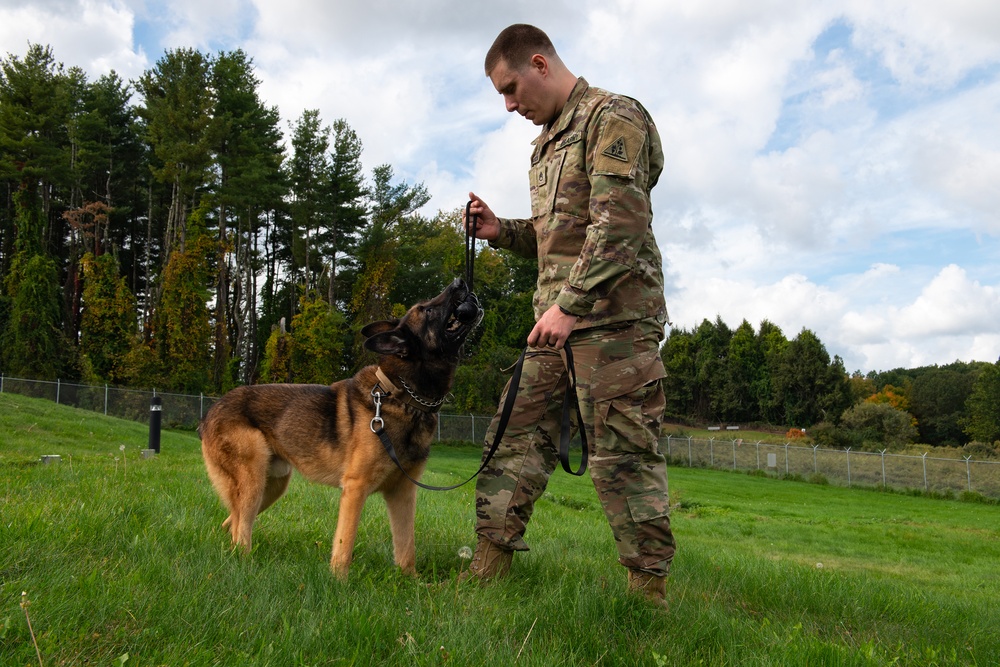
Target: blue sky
(830, 165)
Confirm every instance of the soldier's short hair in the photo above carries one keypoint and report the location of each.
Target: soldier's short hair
(516, 44)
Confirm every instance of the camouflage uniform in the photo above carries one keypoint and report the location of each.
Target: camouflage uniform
(591, 174)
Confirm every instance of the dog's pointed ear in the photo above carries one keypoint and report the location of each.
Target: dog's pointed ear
(378, 327)
(388, 341)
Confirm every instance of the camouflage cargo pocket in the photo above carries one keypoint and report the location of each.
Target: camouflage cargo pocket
(628, 401)
(649, 506)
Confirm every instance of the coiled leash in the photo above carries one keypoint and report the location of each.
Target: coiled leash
(570, 398)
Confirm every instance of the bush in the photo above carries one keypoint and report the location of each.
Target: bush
(828, 436)
(978, 498)
(982, 451)
(878, 424)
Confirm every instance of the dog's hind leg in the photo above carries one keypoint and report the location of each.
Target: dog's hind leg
(401, 504)
(238, 464)
(273, 489)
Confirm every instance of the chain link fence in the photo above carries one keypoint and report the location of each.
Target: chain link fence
(181, 411)
(850, 468)
(840, 466)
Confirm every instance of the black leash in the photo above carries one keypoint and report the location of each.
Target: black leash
(570, 396)
(566, 430)
(508, 407)
(470, 244)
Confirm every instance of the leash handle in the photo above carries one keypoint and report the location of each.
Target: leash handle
(566, 428)
(470, 244)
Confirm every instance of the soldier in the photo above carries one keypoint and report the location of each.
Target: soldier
(600, 287)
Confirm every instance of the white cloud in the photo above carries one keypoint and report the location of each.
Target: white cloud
(95, 36)
(927, 43)
(203, 25)
(950, 305)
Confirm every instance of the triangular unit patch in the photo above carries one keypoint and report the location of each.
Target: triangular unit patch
(617, 150)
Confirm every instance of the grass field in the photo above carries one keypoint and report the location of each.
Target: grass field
(124, 563)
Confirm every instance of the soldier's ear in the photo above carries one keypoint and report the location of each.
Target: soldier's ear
(391, 342)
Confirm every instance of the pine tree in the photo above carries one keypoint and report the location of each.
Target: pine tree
(249, 155)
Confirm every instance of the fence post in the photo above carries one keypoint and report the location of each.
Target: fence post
(968, 472)
(883, 468)
(105, 400)
(848, 466)
(815, 464)
(690, 460)
(1, 383)
(924, 457)
(734, 454)
(201, 405)
(58, 388)
(758, 454)
(711, 452)
(786, 459)
(668, 447)
(473, 427)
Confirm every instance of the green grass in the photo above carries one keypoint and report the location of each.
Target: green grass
(680, 431)
(127, 557)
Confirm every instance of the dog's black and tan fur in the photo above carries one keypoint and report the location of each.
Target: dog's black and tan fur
(254, 436)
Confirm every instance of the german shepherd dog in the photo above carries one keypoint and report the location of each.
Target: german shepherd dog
(254, 436)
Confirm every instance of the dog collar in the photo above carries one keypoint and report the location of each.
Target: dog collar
(409, 396)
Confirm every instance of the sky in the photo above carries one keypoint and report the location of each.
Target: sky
(830, 165)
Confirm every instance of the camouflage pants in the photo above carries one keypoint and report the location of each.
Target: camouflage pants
(621, 400)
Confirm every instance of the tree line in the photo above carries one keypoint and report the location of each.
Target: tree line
(744, 376)
(166, 232)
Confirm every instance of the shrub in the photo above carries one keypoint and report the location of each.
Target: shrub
(874, 424)
(978, 498)
(981, 450)
(828, 436)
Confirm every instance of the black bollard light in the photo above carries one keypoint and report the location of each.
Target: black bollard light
(155, 411)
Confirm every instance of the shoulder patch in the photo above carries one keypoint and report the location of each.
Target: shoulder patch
(619, 148)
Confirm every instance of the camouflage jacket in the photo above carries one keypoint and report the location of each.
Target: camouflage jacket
(591, 227)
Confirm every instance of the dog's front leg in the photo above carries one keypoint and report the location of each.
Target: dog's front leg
(401, 503)
(352, 501)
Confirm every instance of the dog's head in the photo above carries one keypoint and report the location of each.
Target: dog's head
(430, 330)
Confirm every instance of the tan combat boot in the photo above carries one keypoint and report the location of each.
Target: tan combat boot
(489, 561)
(654, 588)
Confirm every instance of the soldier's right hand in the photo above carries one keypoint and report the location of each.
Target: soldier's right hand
(487, 225)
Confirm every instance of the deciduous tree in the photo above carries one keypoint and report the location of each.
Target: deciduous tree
(983, 422)
(108, 323)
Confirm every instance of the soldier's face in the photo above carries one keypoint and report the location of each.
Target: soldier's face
(524, 90)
